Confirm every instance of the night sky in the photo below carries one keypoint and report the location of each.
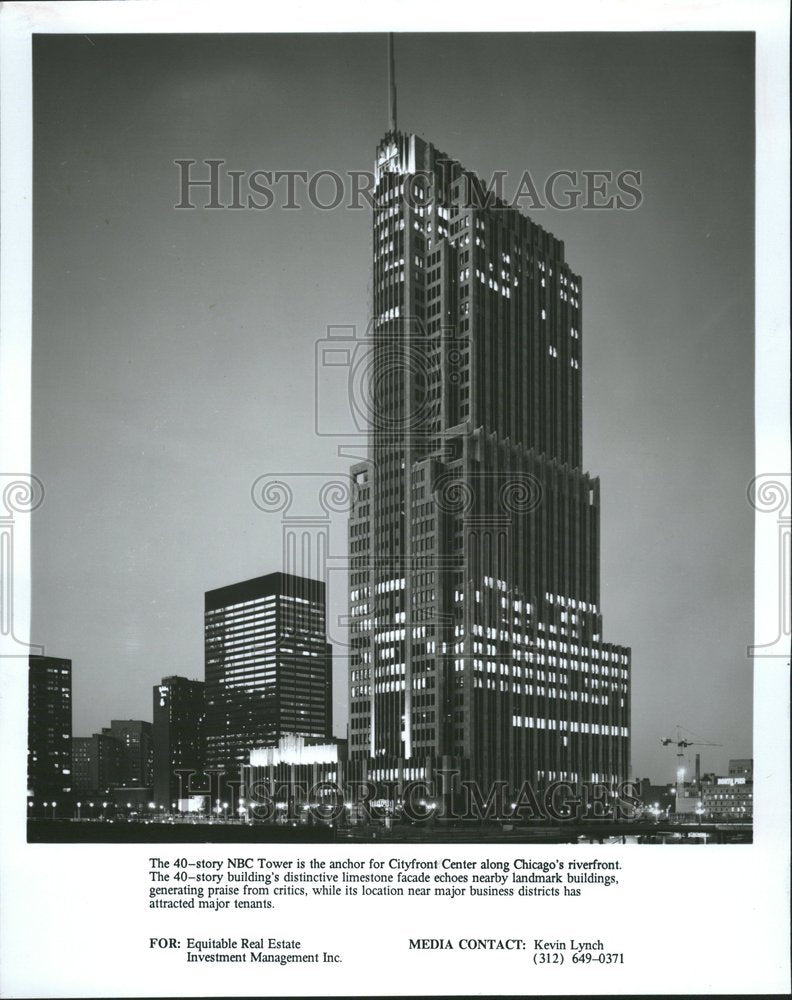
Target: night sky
(173, 351)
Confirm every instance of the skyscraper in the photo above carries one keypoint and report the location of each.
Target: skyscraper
(179, 740)
(268, 666)
(476, 635)
(49, 730)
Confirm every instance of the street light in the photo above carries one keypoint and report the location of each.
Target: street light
(79, 806)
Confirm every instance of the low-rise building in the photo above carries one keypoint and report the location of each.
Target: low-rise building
(730, 797)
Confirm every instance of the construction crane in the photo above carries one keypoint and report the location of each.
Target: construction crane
(682, 743)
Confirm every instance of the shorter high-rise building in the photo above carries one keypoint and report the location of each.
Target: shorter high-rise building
(135, 737)
(268, 667)
(290, 774)
(98, 764)
(179, 742)
(49, 731)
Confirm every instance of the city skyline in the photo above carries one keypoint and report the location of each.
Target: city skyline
(158, 772)
(161, 613)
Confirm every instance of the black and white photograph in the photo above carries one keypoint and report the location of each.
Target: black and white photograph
(401, 511)
(322, 393)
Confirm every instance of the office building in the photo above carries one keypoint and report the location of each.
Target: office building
(98, 763)
(179, 742)
(268, 666)
(49, 732)
(477, 637)
(135, 738)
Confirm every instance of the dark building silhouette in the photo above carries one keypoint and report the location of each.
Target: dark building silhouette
(179, 739)
(81, 763)
(657, 798)
(476, 635)
(135, 739)
(268, 666)
(49, 732)
(98, 763)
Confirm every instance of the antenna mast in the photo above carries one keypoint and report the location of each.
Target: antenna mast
(391, 84)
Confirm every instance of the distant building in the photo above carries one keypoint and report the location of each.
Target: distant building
(49, 731)
(268, 666)
(179, 739)
(730, 797)
(81, 763)
(98, 763)
(687, 802)
(135, 737)
(741, 768)
(658, 799)
(129, 799)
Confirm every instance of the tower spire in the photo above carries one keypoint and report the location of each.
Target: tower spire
(391, 84)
